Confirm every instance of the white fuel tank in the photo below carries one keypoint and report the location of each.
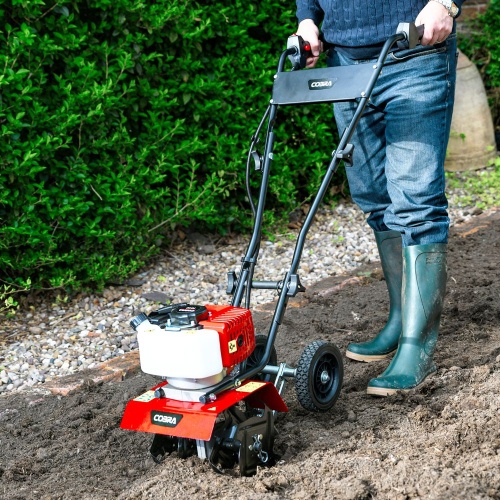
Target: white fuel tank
(191, 354)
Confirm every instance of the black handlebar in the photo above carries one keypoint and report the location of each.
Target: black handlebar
(298, 50)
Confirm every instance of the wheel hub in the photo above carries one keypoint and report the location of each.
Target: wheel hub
(325, 377)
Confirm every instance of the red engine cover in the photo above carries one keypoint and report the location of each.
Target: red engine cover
(236, 332)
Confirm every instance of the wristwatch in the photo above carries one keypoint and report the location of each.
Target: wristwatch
(453, 10)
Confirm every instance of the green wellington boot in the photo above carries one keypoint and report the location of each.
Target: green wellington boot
(424, 285)
(386, 342)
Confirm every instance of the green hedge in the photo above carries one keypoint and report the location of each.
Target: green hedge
(121, 120)
(480, 41)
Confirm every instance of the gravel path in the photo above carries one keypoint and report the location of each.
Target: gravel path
(61, 338)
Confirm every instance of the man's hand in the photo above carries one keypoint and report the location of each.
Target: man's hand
(309, 32)
(438, 24)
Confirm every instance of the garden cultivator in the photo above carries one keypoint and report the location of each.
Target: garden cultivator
(221, 383)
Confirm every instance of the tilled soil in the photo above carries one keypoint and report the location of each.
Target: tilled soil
(440, 441)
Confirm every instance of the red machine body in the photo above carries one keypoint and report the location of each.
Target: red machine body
(174, 412)
(148, 413)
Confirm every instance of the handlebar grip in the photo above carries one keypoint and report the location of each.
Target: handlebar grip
(413, 35)
(298, 50)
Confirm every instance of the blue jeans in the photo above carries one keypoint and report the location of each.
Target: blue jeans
(398, 172)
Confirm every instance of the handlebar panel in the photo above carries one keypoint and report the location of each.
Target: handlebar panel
(342, 83)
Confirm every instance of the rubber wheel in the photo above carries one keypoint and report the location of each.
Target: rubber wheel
(256, 356)
(320, 372)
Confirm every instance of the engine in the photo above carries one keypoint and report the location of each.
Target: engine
(193, 347)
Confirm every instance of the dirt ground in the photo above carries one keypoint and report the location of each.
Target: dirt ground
(441, 441)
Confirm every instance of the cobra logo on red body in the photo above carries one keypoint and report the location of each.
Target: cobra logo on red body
(165, 419)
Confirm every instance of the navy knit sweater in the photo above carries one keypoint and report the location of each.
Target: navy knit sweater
(360, 23)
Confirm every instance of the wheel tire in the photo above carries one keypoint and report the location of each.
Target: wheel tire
(320, 372)
(254, 358)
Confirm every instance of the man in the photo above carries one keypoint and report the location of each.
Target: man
(398, 172)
